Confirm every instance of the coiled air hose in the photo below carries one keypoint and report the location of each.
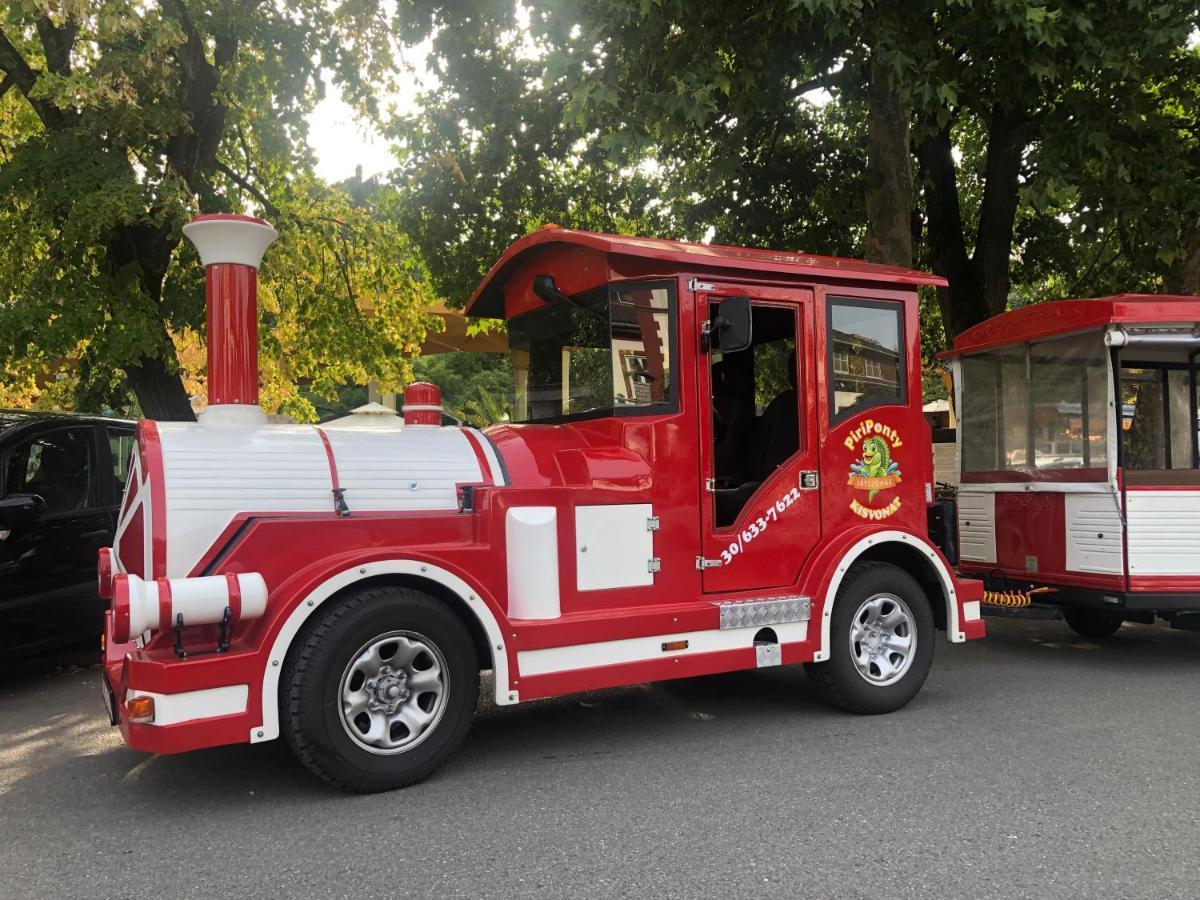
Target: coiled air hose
(1013, 599)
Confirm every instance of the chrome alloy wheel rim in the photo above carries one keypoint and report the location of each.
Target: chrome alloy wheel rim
(883, 639)
(393, 692)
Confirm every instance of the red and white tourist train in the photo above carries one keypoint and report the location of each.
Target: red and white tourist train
(1079, 449)
(716, 461)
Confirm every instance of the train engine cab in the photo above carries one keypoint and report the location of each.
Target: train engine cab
(1079, 462)
(715, 460)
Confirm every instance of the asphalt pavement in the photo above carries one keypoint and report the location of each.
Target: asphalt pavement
(1033, 764)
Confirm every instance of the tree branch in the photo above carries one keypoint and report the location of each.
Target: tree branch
(57, 43)
(998, 207)
(268, 207)
(192, 151)
(25, 77)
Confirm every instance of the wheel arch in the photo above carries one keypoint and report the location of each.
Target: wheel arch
(912, 554)
(461, 598)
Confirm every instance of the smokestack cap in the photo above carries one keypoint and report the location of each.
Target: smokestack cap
(222, 238)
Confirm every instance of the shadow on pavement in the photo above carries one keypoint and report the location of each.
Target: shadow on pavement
(55, 745)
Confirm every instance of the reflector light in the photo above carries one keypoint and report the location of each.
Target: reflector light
(674, 645)
(140, 709)
(104, 573)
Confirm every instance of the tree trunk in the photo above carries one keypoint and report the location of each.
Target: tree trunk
(979, 280)
(889, 189)
(160, 391)
(1184, 277)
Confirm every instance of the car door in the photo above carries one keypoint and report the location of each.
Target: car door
(760, 510)
(48, 562)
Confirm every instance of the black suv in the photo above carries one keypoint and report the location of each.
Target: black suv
(61, 481)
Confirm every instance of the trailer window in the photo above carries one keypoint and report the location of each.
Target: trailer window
(866, 355)
(1036, 407)
(1158, 417)
(609, 352)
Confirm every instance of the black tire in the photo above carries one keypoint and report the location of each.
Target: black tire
(311, 689)
(1093, 624)
(838, 680)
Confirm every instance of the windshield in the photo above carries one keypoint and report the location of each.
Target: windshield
(608, 352)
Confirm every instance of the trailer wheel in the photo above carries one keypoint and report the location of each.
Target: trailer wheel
(881, 641)
(1094, 624)
(380, 689)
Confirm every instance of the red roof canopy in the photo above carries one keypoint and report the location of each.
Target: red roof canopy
(488, 297)
(1060, 317)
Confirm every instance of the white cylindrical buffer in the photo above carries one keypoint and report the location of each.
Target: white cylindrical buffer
(140, 605)
(531, 535)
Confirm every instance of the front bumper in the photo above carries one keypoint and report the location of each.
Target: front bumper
(202, 701)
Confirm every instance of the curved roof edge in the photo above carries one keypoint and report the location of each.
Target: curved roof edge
(1056, 318)
(488, 299)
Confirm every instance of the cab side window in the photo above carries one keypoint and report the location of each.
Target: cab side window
(866, 365)
(58, 466)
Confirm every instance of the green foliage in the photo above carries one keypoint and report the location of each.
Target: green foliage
(475, 386)
(491, 155)
(1037, 116)
(121, 122)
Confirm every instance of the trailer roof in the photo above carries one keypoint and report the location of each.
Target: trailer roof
(1059, 317)
(488, 299)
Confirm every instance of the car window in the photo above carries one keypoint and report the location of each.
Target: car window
(57, 466)
(120, 445)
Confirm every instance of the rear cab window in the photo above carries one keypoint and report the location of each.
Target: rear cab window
(865, 356)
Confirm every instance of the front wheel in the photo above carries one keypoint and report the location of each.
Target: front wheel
(881, 641)
(380, 689)
(1094, 624)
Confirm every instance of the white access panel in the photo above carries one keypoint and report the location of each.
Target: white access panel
(976, 526)
(1093, 523)
(531, 538)
(614, 546)
(1164, 532)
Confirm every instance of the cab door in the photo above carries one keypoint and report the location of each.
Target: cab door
(760, 503)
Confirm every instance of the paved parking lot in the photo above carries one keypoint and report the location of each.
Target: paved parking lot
(1033, 764)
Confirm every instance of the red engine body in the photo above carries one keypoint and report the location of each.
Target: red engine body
(584, 548)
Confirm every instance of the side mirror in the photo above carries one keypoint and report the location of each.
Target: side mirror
(16, 509)
(733, 325)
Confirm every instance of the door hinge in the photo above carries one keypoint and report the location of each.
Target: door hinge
(809, 481)
(710, 485)
(702, 563)
(4, 533)
(654, 565)
(695, 284)
(652, 523)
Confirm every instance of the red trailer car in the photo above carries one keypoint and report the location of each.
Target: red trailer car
(716, 461)
(1079, 455)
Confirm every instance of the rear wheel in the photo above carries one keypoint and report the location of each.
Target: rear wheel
(881, 641)
(1094, 624)
(380, 689)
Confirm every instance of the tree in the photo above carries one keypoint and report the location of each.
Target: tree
(730, 86)
(127, 120)
(1026, 121)
(491, 155)
(1001, 81)
(1126, 211)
